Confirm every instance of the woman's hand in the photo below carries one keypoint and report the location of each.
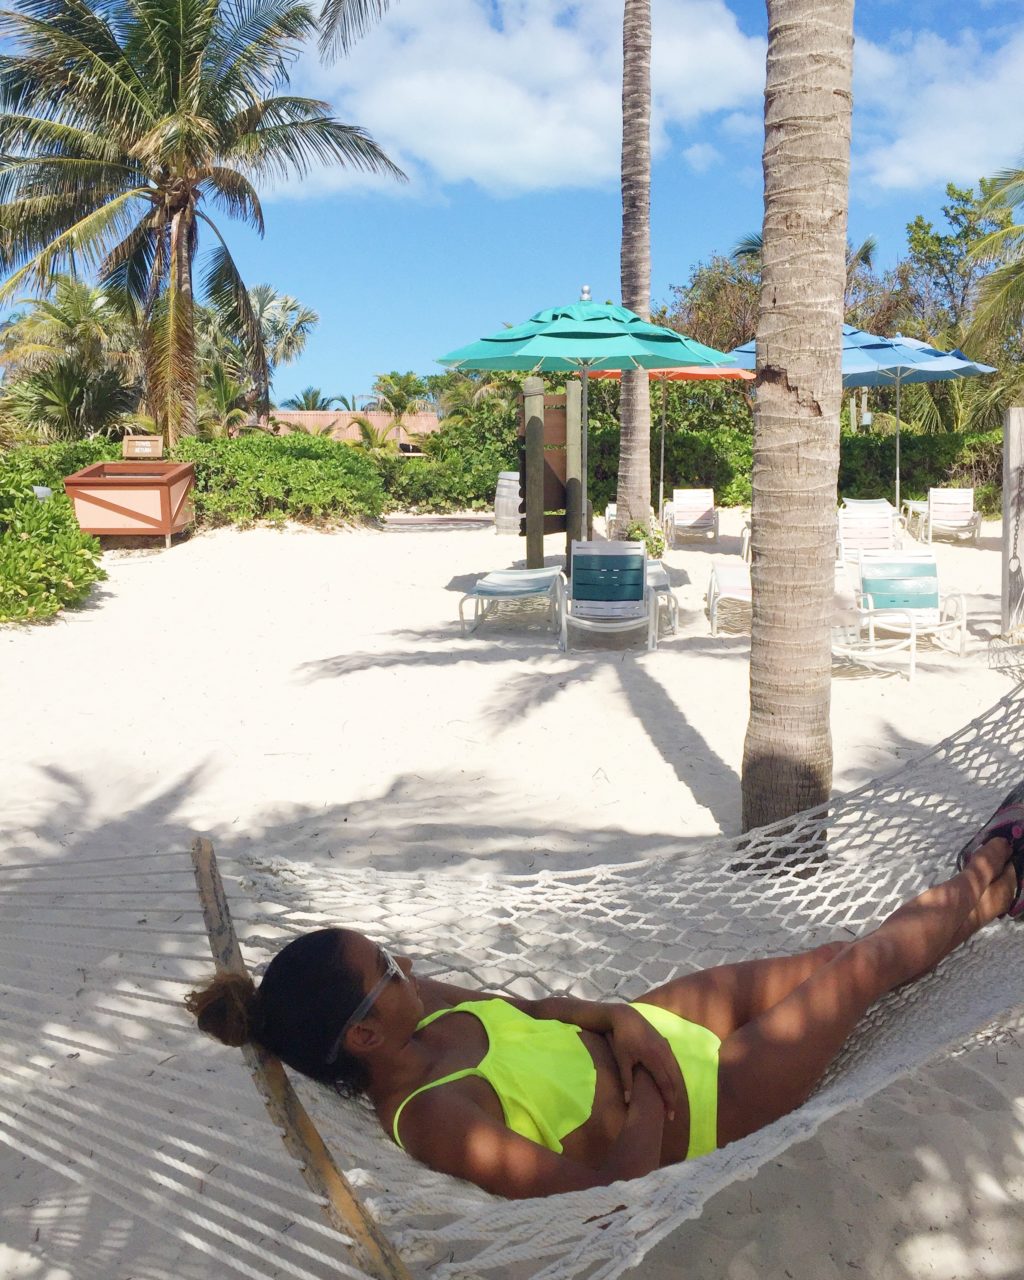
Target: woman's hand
(635, 1044)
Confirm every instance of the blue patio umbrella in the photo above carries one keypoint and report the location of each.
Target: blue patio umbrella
(871, 361)
(584, 337)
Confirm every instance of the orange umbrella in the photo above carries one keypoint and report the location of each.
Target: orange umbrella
(694, 373)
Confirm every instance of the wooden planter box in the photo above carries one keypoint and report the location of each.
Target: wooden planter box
(143, 497)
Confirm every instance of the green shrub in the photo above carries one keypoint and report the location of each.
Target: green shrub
(867, 465)
(459, 472)
(651, 535)
(721, 459)
(296, 477)
(46, 562)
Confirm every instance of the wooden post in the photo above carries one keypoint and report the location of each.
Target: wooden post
(573, 466)
(343, 1208)
(1013, 520)
(533, 411)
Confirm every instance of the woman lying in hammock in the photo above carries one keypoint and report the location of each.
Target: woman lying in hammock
(533, 1097)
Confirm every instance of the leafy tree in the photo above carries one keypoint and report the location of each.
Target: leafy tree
(310, 399)
(718, 305)
(122, 125)
(945, 270)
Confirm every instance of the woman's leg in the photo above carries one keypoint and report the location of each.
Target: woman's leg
(769, 1066)
(729, 995)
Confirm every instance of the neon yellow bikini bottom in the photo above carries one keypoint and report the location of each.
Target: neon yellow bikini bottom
(695, 1048)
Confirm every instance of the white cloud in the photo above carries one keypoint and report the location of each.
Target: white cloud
(516, 96)
(701, 156)
(524, 95)
(931, 109)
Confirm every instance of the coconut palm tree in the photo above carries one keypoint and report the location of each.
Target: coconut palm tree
(1001, 297)
(399, 394)
(311, 400)
(77, 320)
(787, 757)
(221, 405)
(122, 126)
(633, 493)
(374, 440)
(285, 324)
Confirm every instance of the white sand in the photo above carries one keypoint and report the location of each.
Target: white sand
(310, 693)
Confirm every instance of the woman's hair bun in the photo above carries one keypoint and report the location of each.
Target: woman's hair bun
(227, 1008)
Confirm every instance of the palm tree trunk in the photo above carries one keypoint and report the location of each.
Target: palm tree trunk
(180, 370)
(633, 495)
(787, 758)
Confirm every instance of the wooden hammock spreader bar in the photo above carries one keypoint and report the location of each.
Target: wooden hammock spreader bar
(343, 1209)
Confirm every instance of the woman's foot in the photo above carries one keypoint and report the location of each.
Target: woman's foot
(998, 853)
(1007, 821)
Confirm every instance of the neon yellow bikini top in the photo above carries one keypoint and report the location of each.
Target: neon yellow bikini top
(541, 1071)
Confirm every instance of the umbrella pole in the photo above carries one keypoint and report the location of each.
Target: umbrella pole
(584, 465)
(661, 465)
(897, 446)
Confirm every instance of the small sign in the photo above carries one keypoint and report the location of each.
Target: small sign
(142, 447)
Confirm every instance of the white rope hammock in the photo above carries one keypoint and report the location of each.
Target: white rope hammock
(104, 1079)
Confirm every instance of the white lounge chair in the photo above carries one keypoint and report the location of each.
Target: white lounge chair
(951, 511)
(900, 596)
(730, 583)
(867, 526)
(608, 591)
(512, 589)
(691, 511)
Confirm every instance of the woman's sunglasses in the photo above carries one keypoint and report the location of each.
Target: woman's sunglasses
(391, 970)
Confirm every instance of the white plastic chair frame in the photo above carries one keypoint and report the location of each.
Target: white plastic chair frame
(951, 511)
(868, 526)
(913, 575)
(608, 597)
(691, 511)
(512, 587)
(730, 582)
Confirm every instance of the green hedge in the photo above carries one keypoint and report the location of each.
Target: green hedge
(46, 562)
(720, 460)
(296, 477)
(867, 465)
(723, 460)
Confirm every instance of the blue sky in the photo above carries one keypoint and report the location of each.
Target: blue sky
(505, 115)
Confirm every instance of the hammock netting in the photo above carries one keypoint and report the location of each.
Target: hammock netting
(106, 1081)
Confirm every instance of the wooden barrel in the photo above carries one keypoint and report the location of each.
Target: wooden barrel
(507, 501)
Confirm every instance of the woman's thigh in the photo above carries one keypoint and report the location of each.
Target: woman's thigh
(730, 995)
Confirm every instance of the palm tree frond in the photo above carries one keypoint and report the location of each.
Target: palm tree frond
(342, 22)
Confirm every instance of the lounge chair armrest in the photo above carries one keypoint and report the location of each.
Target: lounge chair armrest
(953, 604)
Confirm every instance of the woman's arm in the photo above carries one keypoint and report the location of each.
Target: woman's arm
(633, 1040)
(449, 1132)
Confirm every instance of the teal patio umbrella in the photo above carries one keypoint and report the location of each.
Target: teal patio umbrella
(584, 337)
